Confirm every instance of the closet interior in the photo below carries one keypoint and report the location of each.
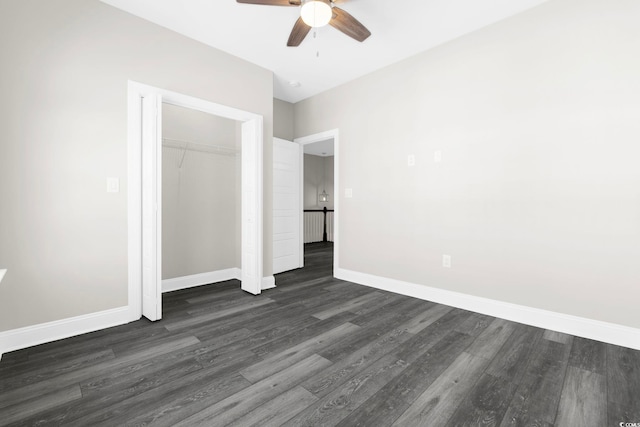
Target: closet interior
(200, 192)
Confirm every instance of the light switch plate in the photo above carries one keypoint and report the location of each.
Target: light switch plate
(2, 273)
(446, 261)
(348, 193)
(113, 185)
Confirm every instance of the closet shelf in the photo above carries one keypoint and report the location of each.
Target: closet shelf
(203, 148)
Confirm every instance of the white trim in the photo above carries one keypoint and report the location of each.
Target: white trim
(579, 326)
(310, 139)
(29, 336)
(193, 280)
(268, 282)
(134, 201)
(151, 171)
(301, 208)
(252, 206)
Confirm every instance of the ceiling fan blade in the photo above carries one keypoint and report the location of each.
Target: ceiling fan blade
(298, 33)
(272, 2)
(349, 25)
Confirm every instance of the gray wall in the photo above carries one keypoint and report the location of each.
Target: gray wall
(199, 193)
(65, 66)
(537, 198)
(282, 119)
(318, 175)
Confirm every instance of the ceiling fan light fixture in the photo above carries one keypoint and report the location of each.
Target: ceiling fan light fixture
(316, 13)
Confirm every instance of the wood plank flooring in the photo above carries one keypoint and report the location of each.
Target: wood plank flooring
(317, 351)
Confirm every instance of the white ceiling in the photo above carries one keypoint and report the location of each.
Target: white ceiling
(259, 34)
(320, 148)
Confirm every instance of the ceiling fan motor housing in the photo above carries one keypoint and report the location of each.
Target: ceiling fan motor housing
(316, 13)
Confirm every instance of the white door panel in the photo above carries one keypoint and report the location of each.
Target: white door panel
(286, 205)
(151, 200)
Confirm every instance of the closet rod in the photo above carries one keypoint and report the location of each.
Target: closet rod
(195, 146)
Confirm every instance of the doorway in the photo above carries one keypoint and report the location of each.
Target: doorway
(320, 140)
(200, 198)
(145, 193)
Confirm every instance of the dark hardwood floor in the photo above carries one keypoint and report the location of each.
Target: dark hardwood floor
(317, 351)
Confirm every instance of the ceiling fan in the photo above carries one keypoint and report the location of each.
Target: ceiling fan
(317, 13)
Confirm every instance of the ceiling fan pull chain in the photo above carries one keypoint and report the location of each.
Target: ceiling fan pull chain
(315, 38)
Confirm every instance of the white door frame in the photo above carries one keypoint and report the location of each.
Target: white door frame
(252, 188)
(151, 237)
(310, 139)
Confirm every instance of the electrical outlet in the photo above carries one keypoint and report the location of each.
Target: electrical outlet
(446, 261)
(2, 272)
(411, 160)
(437, 156)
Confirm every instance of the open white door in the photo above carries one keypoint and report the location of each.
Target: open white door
(286, 205)
(151, 200)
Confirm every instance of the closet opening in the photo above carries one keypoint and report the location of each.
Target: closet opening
(201, 193)
(145, 212)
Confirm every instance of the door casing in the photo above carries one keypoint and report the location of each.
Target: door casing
(251, 183)
(310, 139)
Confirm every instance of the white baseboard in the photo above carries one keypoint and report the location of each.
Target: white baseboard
(200, 279)
(17, 339)
(268, 282)
(29, 336)
(579, 326)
